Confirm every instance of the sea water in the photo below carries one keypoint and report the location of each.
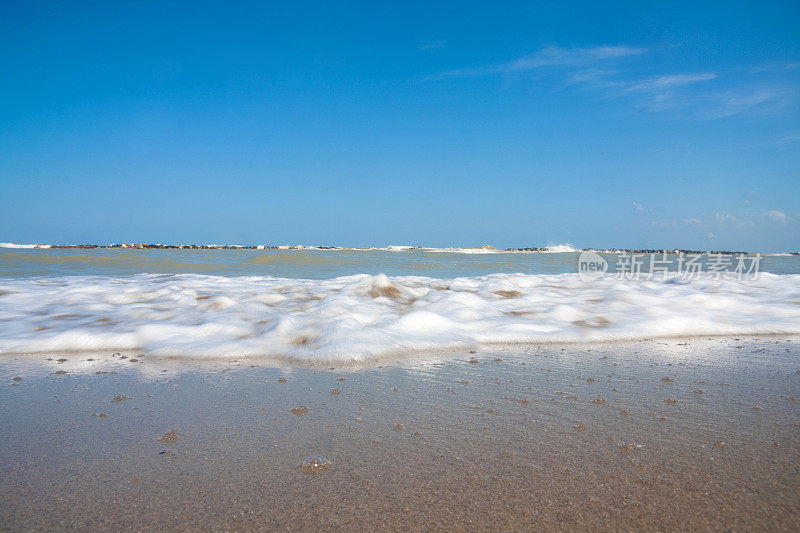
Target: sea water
(361, 304)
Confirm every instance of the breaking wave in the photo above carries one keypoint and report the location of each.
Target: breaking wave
(361, 317)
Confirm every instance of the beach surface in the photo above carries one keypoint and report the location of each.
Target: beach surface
(690, 433)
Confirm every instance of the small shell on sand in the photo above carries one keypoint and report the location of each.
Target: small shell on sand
(170, 436)
(629, 446)
(315, 465)
(299, 410)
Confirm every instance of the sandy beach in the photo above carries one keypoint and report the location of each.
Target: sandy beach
(695, 433)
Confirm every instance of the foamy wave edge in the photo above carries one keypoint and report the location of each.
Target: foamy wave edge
(362, 317)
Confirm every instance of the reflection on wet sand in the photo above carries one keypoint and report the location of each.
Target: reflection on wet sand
(690, 434)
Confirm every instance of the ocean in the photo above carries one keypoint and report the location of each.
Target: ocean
(361, 305)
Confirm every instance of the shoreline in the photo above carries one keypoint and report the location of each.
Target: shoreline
(485, 249)
(87, 361)
(687, 433)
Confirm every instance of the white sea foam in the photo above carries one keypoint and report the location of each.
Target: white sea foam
(561, 248)
(360, 317)
(23, 246)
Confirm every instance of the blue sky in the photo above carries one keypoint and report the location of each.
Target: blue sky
(634, 124)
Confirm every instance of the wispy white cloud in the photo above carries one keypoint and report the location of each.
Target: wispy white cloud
(776, 215)
(750, 219)
(746, 100)
(552, 56)
(670, 81)
(774, 66)
(725, 223)
(664, 92)
(614, 72)
(728, 218)
(639, 208)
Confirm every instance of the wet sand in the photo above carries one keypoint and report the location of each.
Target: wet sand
(661, 434)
